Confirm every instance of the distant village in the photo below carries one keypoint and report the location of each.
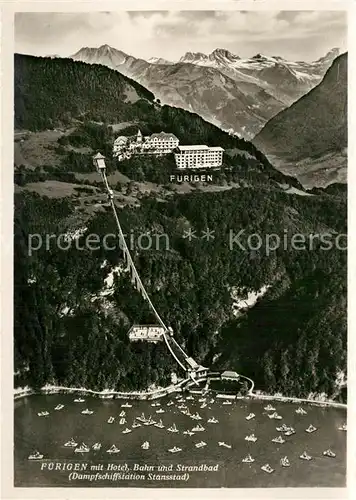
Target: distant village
(193, 156)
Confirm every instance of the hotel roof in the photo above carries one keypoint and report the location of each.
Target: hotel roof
(198, 147)
(230, 374)
(163, 135)
(192, 363)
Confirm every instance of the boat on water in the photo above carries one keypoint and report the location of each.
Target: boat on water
(96, 446)
(250, 416)
(173, 428)
(36, 455)
(225, 445)
(181, 407)
(275, 416)
(311, 429)
(122, 414)
(198, 428)
(59, 407)
(282, 428)
(83, 448)
(201, 444)
(342, 427)
(305, 456)
(170, 403)
(71, 443)
(267, 468)
(202, 400)
(175, 449)
(212, 401)
(329, 453)
(126, 431)
(159, 424)
(279, 440)
(155, 404)
(285, 462)
(145, 445)
(189, 398)
(251, 438)
(126, 405)
(196, 416)
(160, 410)
(227, 403)
(213, 420)
(300, 411)
(248, 459)
(203, 405)
(79, 400)
(289, 432)
(189, 433)
(142, 418)
(149, 421)
(87, 412)
(113, 449)
(43, 413)
(269, 408)
(135, 424)
(111, 420)
(123, 421)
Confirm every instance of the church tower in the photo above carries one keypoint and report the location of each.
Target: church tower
(139, 136)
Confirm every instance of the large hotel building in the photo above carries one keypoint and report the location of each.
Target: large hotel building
(198, 156)
(186, 157)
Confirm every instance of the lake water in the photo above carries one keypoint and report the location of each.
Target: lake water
(99, 469)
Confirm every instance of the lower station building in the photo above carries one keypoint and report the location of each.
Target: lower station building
(150, 333)
(195, 370)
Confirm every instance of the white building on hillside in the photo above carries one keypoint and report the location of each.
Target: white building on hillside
(150, 333)
(199, 156)
(229, 375)
(162, 142)
(155, 144)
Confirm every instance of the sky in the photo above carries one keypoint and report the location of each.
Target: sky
(294, 35)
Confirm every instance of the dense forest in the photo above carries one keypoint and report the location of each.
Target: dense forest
(293, 340)
(66, 332)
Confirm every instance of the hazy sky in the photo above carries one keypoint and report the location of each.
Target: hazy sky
(298, 35)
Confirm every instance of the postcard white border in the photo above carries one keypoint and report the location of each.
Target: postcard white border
(8, 8)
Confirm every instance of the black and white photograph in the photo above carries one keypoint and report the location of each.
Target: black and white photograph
(180, 248)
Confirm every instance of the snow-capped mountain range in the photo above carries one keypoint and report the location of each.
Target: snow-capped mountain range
(238, 94)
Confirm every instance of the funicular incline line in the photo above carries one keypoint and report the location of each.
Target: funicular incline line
(137, 277)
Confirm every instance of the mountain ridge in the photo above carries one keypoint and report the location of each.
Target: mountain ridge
(193, 83)
(313, 127)
(75, 92)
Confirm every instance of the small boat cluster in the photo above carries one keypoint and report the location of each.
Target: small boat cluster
(182, 405)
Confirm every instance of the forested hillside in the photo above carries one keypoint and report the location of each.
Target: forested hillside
(293, 340)
(53, 93)
(315, 124)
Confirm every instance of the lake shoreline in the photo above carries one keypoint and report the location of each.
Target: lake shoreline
(161, 392)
